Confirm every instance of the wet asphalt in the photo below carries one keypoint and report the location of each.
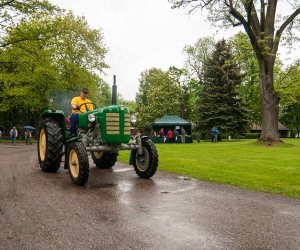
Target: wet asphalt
(118, 210)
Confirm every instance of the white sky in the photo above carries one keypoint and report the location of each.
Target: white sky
(140, 35)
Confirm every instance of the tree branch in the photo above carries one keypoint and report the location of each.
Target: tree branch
(253, 39)
(282, 28)
(252, 16)
(270, 18)
(262, 13)
(6, 3)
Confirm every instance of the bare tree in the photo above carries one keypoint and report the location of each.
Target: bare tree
(265, 29)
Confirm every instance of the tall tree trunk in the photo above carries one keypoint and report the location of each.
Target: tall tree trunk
(270, 103)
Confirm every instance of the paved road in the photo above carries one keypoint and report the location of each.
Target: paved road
(118, 210)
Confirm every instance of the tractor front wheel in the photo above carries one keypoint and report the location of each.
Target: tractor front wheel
(78, 163)
(145, 164)
(104, 159)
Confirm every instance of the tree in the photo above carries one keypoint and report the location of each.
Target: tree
(12, 11)
(265, 30)
(290, 116)
(249, 89)
(158, 95)
(219, 103)
(197, 55)
(289, 88)
(180, 76)
(48, 68)
(130, 104)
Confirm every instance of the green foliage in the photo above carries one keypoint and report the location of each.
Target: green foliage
(187, 99)
(290, 116)
(251, 135)
(11, 12)
(219, 103)
(158, 95)
(288, 86)
(197, 55)
(55, 57)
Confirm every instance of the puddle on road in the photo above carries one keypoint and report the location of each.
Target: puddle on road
(105, 185)
(184, 178)
(122, 170)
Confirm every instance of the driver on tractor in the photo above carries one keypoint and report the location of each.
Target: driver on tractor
(79, 104)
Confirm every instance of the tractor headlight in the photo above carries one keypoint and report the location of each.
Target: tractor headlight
(91, 117)
(133, 119)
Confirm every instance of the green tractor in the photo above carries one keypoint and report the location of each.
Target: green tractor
(102, 133)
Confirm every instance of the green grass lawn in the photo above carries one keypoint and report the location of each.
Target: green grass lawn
(244, 163)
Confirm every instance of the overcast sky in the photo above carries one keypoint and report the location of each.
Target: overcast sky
(140, 35)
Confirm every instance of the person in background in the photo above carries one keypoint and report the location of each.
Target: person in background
(215, 133)
(198, 137)
(175, 132)
(170, 136)
(13, 134)
(28, 136)
(0, 135)
(183, 135)
(162, 135)
(78, 107)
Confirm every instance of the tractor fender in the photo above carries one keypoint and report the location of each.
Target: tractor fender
(144, 137)
(59, 116)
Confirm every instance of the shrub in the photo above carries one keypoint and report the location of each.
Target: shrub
(251, 135)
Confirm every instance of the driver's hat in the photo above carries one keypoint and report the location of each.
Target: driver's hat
(85, 90)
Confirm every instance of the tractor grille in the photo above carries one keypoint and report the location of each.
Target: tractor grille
(127, 124)
(113, 123)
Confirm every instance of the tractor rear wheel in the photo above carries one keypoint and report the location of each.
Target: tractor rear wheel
(50, 145)
(78, 163)
(104, 159)
(145, 165)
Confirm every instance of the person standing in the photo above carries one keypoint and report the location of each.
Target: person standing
(79, 104)
(162, 135)
(215, 133)
(13, 134)
(175, 133)
(198, 137)
(170, 136)
(183, 134)
(0, 135)
(28, 136)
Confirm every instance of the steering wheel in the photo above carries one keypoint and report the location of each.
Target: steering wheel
(86, 106)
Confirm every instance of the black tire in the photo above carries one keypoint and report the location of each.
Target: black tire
(50, 145)
(104, 159)
(78, 163)
(145, 165)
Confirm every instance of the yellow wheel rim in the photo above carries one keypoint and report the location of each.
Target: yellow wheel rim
(42, 144)
(98, 154)
(74, 163)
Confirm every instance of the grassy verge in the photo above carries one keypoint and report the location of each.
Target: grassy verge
(244, 163)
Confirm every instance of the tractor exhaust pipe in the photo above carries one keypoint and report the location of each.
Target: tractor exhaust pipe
(114, 92)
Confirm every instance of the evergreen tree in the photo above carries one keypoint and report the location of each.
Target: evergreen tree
(219, 103)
